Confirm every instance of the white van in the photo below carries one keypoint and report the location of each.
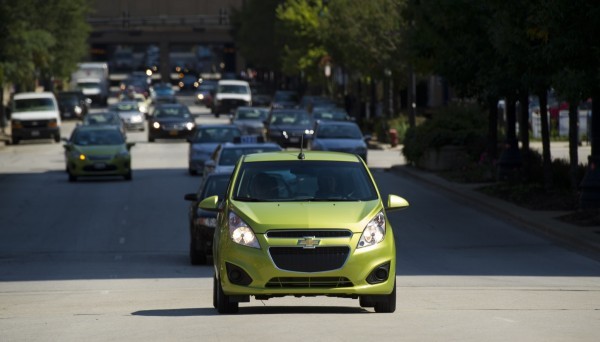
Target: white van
(35, 116)
(231, 94)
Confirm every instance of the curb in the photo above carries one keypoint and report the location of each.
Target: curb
(545, 223)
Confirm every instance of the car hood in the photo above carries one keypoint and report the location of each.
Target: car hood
(101, 150)
(228, 96)
(129, 114)
(248, 123)
(264, 216)
(172, 120)
(41, 115)
(340, 143)
(289, 128)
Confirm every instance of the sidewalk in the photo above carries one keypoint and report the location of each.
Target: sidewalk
(546, 223)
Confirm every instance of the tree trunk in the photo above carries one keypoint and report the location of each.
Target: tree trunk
(547, 158)
(492, 149)
(573, 143)
(524, 121)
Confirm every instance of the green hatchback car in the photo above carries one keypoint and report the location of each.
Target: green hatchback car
(303, 224)
(97, 151)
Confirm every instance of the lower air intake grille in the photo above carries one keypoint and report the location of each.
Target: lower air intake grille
(309, 282)
(318, 259)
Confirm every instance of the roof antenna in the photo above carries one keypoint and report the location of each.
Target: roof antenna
(301, 154)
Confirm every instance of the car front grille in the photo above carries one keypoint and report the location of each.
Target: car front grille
(35, 123)
(99, 158)
(309, 282)
(92, 168)
(319, 259)
(318, 233)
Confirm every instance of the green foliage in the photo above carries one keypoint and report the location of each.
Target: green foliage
(44, 38)
(457, 125)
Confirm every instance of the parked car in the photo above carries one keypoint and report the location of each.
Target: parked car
(171, 121)
(72, 104)
(34, 116)
(288, 127)
(309, 224)
(225, 156)
(203, 222)
(250, 120)
(130, 113)
(205, 140)
(340, 137)
(97, 151)
(231, 94)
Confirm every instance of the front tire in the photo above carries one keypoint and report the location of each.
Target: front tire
(196, 257)
(128, 176)
(224, 306)
(72, 178)
(388, 302)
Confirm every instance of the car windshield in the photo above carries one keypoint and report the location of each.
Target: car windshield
(101, 119)
(34, 105)
(88, 85)
(125, 107)
(98, 137)
(207, 87)
(285, 96)
(232, 89)
(172, 112)
(338, 132)
(215, 185)
(302, 180)
(290, 118)
(229, 156)
(250, 114)
(329, 115)
(216, 134)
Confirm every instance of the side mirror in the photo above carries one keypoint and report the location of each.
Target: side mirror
(67, 147)
(396, 203)
(191, 197)
(210, 203)
(367, 137)
(130, 145)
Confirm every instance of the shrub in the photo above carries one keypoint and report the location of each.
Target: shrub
(458, 125)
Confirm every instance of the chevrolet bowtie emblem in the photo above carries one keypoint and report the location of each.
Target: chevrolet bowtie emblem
(308, 242)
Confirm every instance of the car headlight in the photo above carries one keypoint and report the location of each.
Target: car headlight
(200, 96)
(374, 231)
(77, 155)
(189, 126)
(77, 110)
(156, 125)
(136, 118)
(308, 131)
(240, 232)
(284, 133)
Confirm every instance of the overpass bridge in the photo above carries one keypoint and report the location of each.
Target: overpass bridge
(165, 37)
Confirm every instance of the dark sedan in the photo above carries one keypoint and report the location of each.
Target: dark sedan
(288, 127)
(204, 142)
(171, 121)
(72, 104)
(203, 222)
(339, 136)
(250, 120)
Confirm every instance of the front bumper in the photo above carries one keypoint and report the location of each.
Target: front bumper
(36, 133)
(269, 280)
(99, 167)
(177, 133)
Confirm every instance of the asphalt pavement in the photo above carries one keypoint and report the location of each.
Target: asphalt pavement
(546, 223)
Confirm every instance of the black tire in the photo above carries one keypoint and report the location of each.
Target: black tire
(224, 306)
(215, 291)
(128, 176)
(14, 141)
(150, 139)
(365, 302)
(388, 304)
(72, 178)
(192, 172)
(57, 138)
(197, 257)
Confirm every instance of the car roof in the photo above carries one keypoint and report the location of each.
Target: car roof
(33, 95)
(229, 145)
(234, 82)
(308, 155)
(336, 123)
(97, 128)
